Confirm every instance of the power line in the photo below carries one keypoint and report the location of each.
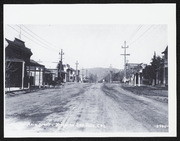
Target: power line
(34, 37)
(141, 35)
(39, 36)
(135, 32)
(29, 38)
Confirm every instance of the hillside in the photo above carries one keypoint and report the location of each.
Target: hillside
(100, 72)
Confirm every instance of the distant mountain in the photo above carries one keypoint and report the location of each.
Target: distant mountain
(100, 72)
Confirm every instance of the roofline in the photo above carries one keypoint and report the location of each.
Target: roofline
(12, 42)
(35, 63)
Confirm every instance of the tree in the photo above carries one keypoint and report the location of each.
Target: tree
(60, 75)
(115, 76)
(153, 72)
(148, 75)
(93, 78)
(156, 64)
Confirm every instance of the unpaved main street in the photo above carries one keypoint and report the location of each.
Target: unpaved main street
(83, 107)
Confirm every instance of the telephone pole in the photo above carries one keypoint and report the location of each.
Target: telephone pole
(40, 74)
(82, 74)
(76, 71)
(61, 54)
(60, 64)
(125, 54)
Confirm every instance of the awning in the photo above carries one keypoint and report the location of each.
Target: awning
(14, 60)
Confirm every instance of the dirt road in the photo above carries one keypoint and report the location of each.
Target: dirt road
(77, 107)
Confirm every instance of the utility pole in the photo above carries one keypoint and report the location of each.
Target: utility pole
(82, 73)
(61, 54)
(125, 54)
(60, 64)
(76, 71)
(23, 63)
(40, 73)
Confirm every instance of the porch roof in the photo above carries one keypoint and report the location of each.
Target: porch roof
(15, 60)
(34, 63)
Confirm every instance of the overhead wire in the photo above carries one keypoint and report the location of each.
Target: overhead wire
(39, 36)
(28, 37)
(35, 37)
(141, 34)
(135, 32)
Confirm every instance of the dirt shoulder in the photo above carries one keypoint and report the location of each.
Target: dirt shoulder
(148, 112)
(156, 93)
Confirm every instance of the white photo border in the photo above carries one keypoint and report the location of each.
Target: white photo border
(105, 14)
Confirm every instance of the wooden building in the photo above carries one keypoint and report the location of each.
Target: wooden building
(134, 73)
(165, 66)
(17, 58)
(36, 73)
(54, 73)
(70, 73)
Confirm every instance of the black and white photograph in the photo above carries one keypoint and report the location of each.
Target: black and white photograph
(89, 70)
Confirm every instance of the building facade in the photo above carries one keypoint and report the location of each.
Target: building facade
(35, 72)
(134, 73)
(17, 58)
(165, 66)
(70, 73)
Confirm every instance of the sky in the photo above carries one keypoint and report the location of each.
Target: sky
(92, 45)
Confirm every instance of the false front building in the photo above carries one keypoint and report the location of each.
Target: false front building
(134, 73)
(17, 58)
(36, 73)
